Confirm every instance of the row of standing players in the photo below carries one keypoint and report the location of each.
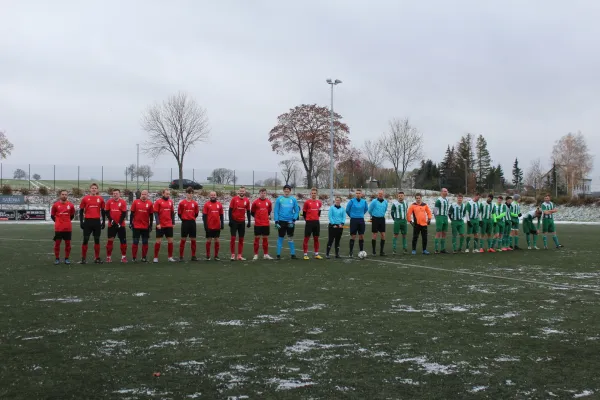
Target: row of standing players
(94, 211)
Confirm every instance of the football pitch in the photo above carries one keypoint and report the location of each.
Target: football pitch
(518, 325)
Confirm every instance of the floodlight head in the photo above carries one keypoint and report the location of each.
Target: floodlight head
(337, 81)
(329, 81)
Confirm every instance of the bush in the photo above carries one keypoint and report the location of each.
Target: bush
(43, 191)
(77, 192)
(220, 194)
(127, 192)
(274, 195)
(204, 193)
(6, 190)
(174, 193)
(528, 200)
(25, 191)
(350, 196)
(299, 196)
(323, 196)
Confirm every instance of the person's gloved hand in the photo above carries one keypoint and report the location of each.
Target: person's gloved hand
(249, 224)
(520, 215)
(480, 223)
(276, 225)
(222, 227)
(469, 223)
(230, 223)
(103, 225)
(81, 224)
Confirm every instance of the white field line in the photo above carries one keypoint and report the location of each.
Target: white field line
(557, 285)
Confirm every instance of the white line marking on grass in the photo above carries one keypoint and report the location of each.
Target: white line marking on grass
(555, 286)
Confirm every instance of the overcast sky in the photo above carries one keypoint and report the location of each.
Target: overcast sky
(522, 73)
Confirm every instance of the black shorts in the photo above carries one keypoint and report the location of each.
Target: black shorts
(286, 229)
(357, 226)
(378, 224)
(92, 227)
(188, 229)
(213, 233)
(312, 228)
(237, 228)
(262, 230)
(112, 232)
(164, 232)
(143, 233)
(62, 235)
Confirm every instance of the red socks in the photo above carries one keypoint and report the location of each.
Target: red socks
(109, 248)
(208, 249)
(316, 242)
(217, 247)
(144, 250)
(266, 245)
(193, 246)
(57, 248)
(123, 249)
(97, 250)
(256, 245)
(241, 246)
(305, 245)
(156, 249)
(84, 248)
(232, 245)
(67, 248)
(181, 247)
(134, 250)
(170, 249)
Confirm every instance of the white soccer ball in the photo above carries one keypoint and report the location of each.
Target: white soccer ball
(362, 254)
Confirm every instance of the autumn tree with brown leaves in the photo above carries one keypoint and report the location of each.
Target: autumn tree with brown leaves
(304, 130)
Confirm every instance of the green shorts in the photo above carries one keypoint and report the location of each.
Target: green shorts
(400, 226)
(458, 228)
(441, 223)
(487, 227)
(529, 227)
(499, 228)
(514, 223)
(548, 225)
(507, 227)
(473, 227)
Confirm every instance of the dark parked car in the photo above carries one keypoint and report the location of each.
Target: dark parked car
(186, 184)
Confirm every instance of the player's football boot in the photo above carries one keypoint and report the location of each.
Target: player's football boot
(144, 260)
(437, 252)
(306, 257)
(233, 257)
(155, 260)
(83, 261)
(240, 258)
(57, 261)
(528, 247)
(490, 250)
(481, 250)
(517, 248)
(108, 260)
(318, 257)
(98, 261)
(536, 248)
(207, 258)
(426, 252)
(337, 256)
(394, 252)
(67, 261)
(194, 258)
(560, 246)
(267, 257)
(443, 251)
(217, 258)
(180, 259)
(405, 251)
(293, 257)
(123, 260)
(278, 257)
(255, 257)
(454, 252)
(475, 250)
(171, 259)
(382, 254)
(414, 252)
(351, 255)
(374, 254)
(467, 250)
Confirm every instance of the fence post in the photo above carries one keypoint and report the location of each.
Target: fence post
(102, 183)
(234, 180)
(54, 177)
(275, 183)
(1, 176)
(78, 177)
(252, 182)
(171, 174)
(126, 178)
(194, 174)
(30, 177)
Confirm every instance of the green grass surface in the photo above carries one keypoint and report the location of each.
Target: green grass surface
(514, 325)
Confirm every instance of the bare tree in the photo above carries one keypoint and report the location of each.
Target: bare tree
(174, 127)
(271, 182)
(288, 168)
(222, 176)
(37, 177)
(131, 171)
(321, 170)
(373, 154)
(6, 147)
(535, 175)
(572, 154)
(145, 172)
(19, 174)
(402, 146)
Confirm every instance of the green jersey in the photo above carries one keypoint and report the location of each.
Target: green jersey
(548, 206)
(485, 209)
(399, 210)
(457, 212)
(530, 216)
(499, 212)
(441, 207)
(515, 210)
(473, 211)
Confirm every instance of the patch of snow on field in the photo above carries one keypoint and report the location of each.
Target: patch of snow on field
(109, 347)
(315, 331)
(306, 345)
(140, 294)
(235, 322)
(122, 328)
(405, 308)
(33, 338)
(585, 393)
(549, 331)
(269, 319)
(196, 395)
(143, 391)
(231, 380)
(65, 300)
(429, 367)
(287, 384)
(309, 308)
(504, 358)
(164, 344)
(408, 381)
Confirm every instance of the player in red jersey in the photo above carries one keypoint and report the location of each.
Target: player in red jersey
(261, 211)
(239, 210)
(62, 213)
(164, 214)
(116, 213)
(212, 217)
(188, 212)
(92, 221)
(140, 222)
(311, 212)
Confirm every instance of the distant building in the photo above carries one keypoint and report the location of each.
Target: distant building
(583, 187)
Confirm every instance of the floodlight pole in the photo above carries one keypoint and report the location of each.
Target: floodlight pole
(137, 172)
(332, 83)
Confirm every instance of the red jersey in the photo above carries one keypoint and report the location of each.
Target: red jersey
(213, 212)
(261, 210)
(92, 206)
(115, 209)
(62, 213)
(239, 206)
(311, 209)
(142, 212)
(165, 210)
(188, 210)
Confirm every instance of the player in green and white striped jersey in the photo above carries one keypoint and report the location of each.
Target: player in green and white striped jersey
(473, 217)
(530, 229)
(548, 211)
(499, 216)
(457, 216)
(515, 214)
(440, 210)
(399, 208)
(487, 223)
